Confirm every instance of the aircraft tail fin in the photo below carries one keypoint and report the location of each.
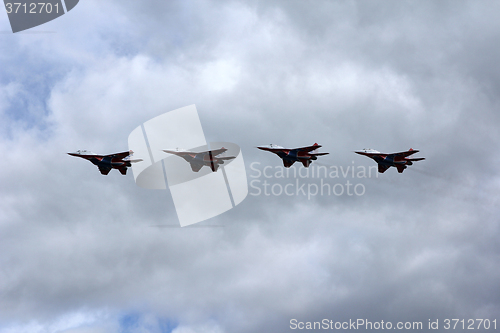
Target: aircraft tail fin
(306, 163)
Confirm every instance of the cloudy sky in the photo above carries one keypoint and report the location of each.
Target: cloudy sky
(81, 252)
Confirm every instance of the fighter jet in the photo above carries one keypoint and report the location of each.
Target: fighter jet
(205, 158)
(385, 161)
(289, 156)
(105, 163)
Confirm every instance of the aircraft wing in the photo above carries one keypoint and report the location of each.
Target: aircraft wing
(104, 170)
(404, 153)
(400, 155)
(119, 155)
(382, 168)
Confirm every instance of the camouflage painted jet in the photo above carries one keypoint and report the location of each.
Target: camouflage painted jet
(105, 163)
(289, 156)
(205, 158)
(385, 161)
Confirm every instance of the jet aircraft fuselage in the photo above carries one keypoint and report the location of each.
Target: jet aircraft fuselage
(107, 162)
